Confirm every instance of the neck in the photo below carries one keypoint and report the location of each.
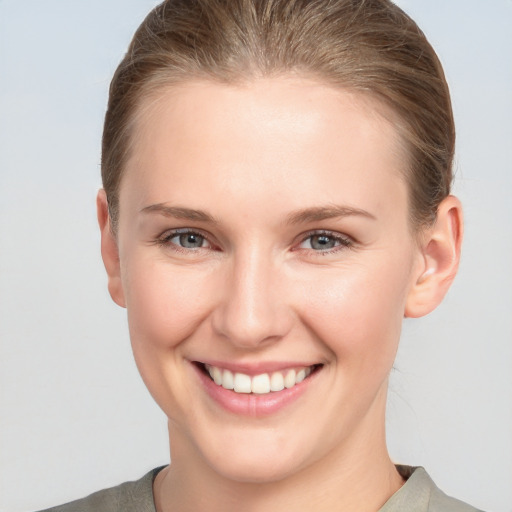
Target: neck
(357, 476)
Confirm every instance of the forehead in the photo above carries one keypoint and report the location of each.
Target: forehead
(296, 139)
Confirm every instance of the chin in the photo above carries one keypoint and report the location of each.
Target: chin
(256, 470)
(263, 459)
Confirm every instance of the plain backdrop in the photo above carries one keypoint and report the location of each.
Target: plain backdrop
(74, 414)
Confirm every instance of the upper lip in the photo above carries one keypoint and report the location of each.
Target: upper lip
(256, 368)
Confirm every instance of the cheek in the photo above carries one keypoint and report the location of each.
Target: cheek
(358, 310)
(165, 303)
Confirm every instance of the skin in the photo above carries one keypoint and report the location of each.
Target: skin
(253, 157)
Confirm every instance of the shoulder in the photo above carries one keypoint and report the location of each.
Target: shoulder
(136, 496)
(440, 502)
(420, 494)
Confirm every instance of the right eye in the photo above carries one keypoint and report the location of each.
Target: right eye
(184, 240)
(189, 240)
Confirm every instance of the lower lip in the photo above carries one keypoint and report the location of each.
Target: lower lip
(252, 404)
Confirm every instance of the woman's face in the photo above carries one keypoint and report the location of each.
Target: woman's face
(264, 231)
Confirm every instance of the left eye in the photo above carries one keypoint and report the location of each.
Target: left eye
(188, 240)
(323, 242)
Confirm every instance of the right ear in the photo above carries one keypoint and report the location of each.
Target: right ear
(109, 250)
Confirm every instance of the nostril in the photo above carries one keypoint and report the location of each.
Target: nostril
(252, 312)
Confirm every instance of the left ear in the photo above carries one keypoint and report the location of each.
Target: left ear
(440, 248)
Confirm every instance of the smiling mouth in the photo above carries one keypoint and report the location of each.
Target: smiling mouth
(261, 384)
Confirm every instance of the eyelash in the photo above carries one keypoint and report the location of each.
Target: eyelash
(342, 242)
(165, 240)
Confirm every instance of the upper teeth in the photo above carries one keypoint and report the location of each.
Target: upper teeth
(260, 384)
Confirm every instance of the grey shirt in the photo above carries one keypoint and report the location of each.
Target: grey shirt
(418, 494)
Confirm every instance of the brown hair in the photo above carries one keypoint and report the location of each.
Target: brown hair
(363, 45)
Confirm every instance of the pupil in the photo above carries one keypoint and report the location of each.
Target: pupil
(322, 242)
(191, 240)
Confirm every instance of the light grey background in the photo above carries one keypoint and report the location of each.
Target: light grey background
(74, 414)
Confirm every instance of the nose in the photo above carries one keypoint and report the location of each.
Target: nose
(252, 310)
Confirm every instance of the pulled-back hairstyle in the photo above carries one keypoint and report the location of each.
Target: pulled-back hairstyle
(370, 46)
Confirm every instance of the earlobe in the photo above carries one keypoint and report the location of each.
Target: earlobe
(109, 250)
(441, 248)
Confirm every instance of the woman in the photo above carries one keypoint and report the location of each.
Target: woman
(276, 200)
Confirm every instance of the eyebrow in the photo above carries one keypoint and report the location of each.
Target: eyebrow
(179, 212)
(313, 214)
(318, 213)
